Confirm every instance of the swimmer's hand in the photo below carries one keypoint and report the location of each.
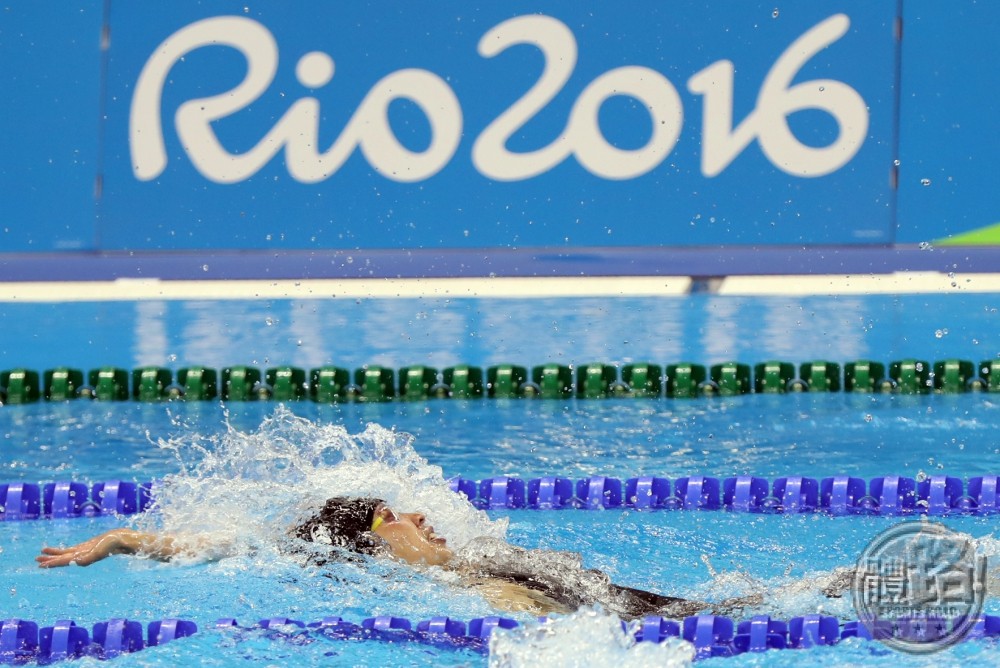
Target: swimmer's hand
(116, 541)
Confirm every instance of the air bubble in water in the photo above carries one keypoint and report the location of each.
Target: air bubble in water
(774, 14)
(925, 245)
(925, 182)
(269, 321)
(868, 417)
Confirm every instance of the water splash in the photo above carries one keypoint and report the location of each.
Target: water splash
(588, 637)
(240, 491)
(785, 596)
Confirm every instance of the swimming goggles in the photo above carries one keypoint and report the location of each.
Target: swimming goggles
(380, 516)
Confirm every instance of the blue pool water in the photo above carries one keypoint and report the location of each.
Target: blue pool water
(439, 331)
(242, 469)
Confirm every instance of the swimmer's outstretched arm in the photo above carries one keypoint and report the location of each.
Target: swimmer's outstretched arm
(116, 541)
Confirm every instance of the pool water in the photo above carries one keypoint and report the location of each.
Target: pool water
(440, 332)
(244, 470)
(763, 435)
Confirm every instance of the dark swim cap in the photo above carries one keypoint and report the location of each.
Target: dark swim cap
(343, 522)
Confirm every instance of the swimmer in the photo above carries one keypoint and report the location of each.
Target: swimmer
(513, 579)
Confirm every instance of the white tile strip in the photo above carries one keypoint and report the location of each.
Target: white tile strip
(904, 282)
(912, 282)
(147, 289)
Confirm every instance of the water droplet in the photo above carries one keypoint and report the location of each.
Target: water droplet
(822, 88)
(774, 14)
(299, 343)
(171, 358)
(204, 267)
(269, 321)
(925, 245)
(925, 182)
(896, 162)
(868, 417)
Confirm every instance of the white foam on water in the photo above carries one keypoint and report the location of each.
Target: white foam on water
(989, 546)
(586, 638)
(240, 491)
(827, 592)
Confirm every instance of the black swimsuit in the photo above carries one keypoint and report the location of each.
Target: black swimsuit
(560, 577)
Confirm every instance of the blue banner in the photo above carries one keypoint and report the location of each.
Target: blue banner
(50, 70)
(504, 125)
(434, 134)
(949, 140)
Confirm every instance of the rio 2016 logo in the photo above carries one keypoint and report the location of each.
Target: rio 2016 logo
(370, 131)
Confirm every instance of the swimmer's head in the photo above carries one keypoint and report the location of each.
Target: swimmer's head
(410, 537)
(345, 523)
(369, 526)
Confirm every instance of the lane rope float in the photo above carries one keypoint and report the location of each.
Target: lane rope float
(372, 383)
(24, 641)
(836, 495)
